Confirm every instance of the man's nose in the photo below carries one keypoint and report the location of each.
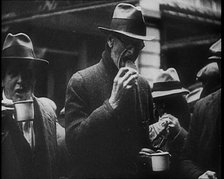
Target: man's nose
(131, 50)
(19, 78)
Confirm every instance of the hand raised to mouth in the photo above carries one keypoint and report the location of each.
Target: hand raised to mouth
(127, 59)
(123, 81)
(130, 64)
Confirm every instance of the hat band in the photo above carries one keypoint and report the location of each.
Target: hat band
(129, 25)
(18, 51)
(218, 54)
(166, 86)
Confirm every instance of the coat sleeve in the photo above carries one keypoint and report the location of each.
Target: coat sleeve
(83, 125)
(188, 166)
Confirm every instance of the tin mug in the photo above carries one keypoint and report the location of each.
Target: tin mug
(24, 110)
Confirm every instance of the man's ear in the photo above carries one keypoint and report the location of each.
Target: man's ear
(3, 83)
(3, 80)
(110, 41)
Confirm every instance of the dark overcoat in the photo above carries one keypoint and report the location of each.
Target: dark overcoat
(103, 142)
(202, 150)
(18, 160)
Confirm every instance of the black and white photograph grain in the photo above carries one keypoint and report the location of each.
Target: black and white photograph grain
(111, 89)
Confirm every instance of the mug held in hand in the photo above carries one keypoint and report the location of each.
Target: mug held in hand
(160, 161)
(24, 110)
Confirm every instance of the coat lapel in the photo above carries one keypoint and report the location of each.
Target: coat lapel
(45, 133)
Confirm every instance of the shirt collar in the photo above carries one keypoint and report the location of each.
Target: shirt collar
(5, 99)
(8, 100)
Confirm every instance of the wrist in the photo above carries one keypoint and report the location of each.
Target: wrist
(113, 105)
(175, 132)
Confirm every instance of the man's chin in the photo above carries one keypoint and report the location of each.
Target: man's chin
(20, 97)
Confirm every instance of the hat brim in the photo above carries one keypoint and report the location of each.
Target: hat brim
(157, 94)
(194, 95)
(24, 59)
(139, 37)
(214, 58)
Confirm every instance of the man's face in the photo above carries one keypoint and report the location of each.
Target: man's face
(18, 82)
(160, 108)
(125, 49)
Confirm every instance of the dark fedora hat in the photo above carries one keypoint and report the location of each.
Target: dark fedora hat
(127, 20)
(210, 72)
(216, 50)
(167, 83)
(18, 48)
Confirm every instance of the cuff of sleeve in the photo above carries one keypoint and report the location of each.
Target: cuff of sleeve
(181, 135)
(109, 108)
(190, 170)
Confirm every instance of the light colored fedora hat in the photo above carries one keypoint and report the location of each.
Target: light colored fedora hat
(19, 47)
(127, 20)
(167, 83)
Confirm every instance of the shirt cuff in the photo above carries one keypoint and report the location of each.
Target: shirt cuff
(181, 135)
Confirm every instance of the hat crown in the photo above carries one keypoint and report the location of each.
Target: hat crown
(19, 39)
(167, 76)
(19, 47)
(167, 83)
(215, 50)
(128, 20)
(127, 11)
(211, 70)
(216, 47)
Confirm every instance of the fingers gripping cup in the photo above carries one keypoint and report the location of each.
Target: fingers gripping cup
(160, 161)
(24, 110)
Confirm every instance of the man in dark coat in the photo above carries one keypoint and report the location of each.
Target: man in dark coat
(29, 146)
(202, 151)
(108, 106)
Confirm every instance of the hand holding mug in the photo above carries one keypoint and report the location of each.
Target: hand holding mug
(158, 160)
(208, 175)
(24, 110)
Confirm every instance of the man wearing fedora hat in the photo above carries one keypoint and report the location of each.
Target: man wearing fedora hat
(108, 106)
(28, 147)
(169, 97)
(201, 157)
(210, 78)
(173, 115)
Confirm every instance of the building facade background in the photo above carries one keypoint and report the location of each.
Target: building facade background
(66, 34)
